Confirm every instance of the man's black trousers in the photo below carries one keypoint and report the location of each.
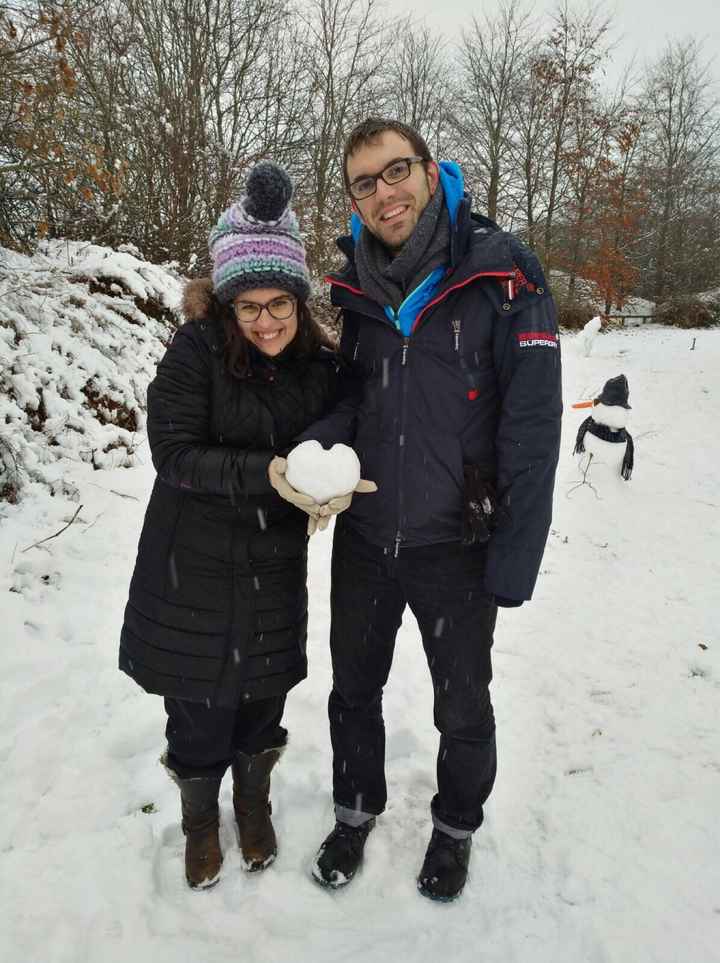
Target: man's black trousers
(443, 585)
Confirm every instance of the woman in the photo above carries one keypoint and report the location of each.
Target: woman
(217, 614)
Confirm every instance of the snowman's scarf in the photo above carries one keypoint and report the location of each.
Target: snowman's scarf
(616, 435)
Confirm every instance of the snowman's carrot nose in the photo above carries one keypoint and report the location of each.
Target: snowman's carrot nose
(584, 404)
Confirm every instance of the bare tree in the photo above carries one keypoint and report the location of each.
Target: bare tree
(571, 55)
(490, 55)
(585, 161)
(682, 145)
(344, 50)
(530, 145)
(37, 85)
(184, 97)
(416, 82)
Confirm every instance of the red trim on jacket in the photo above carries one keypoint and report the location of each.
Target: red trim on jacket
(511, 281)
(456, 287)
(341, 284)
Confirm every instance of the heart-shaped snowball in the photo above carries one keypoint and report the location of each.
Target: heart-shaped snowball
(322, 474)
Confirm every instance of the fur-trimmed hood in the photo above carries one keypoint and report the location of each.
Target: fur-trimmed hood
(198, 300)
(200, 304)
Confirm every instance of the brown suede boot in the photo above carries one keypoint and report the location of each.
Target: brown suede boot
(251, 791)
(200, 824)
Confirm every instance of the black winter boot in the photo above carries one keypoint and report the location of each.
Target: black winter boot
(445, 868)
(339, 857)
(251, 801)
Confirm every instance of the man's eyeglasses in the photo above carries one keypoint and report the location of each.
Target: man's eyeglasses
(280, 308)
(398, 170)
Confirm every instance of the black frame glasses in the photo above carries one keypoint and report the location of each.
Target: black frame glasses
(393, 173)
(284, 306)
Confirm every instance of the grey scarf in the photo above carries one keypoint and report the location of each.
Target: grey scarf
(387, 279)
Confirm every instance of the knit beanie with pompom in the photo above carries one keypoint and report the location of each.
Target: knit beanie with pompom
(256, 243)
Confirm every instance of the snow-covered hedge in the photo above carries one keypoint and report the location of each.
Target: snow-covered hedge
(82, 328)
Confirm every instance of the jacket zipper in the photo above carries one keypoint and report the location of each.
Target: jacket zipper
(456, 330)
(403, 395)
(401, 441)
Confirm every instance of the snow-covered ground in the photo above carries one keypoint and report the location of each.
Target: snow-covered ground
(601, 841)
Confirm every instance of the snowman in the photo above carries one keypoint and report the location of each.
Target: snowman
(602, 439)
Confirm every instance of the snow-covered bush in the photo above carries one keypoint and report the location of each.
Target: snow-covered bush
(82, 328)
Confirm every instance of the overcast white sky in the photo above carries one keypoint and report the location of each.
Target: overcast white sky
(641, 27)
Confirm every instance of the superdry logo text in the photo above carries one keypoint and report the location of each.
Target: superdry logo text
(531, 339)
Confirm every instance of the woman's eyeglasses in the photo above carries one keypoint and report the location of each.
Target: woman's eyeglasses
(281, 308)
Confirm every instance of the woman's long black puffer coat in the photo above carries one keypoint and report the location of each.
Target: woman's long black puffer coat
(217, 611)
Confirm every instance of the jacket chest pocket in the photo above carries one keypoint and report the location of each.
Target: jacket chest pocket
(459, 346)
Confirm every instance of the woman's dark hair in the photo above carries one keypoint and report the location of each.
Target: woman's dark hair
(309, 338)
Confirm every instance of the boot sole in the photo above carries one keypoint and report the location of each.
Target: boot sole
(206, 884)
(328, 883)
(252, 865)
(255, 866)
(428, 894)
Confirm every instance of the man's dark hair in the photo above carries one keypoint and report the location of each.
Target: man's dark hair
(368, 132)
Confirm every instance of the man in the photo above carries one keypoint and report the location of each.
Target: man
(453, 404)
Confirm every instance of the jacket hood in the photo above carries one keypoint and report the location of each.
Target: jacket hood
(197, 299)
(453, 184)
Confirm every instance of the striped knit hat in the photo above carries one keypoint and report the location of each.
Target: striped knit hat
(256, 243)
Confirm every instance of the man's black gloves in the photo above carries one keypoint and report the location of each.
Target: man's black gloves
(481, 512)
(481, 516)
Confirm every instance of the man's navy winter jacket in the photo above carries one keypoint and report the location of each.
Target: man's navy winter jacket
(476, 382)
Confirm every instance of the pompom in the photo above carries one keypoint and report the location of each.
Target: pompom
(269, 190)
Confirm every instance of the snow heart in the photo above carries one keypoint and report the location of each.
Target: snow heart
(322, 474)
